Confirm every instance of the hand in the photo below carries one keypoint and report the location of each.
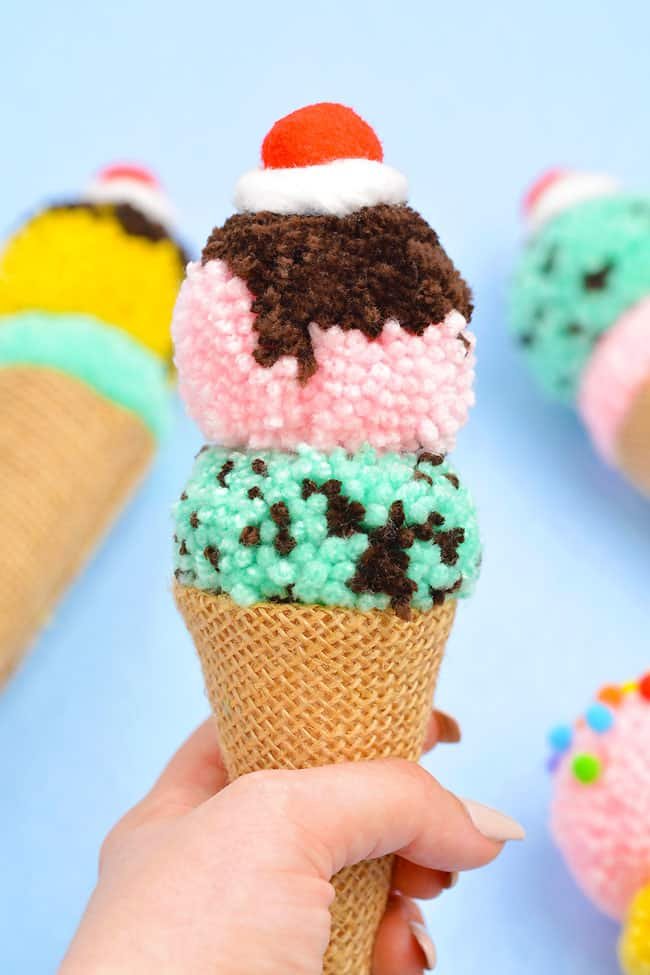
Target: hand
(204, 877)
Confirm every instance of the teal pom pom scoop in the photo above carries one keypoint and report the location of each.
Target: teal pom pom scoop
(580, 308)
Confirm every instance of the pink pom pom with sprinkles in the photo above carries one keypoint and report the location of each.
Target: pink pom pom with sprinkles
(600, 815)
(398, 391)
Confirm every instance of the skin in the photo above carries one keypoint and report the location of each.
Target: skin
(204, 876)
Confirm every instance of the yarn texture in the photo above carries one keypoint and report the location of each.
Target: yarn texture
(84, 259)
(366, 531)
(614, 376)
(98, 354)
(576, 277)
(603, 826)
(395, 389)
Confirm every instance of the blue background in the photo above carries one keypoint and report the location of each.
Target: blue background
(471, 100)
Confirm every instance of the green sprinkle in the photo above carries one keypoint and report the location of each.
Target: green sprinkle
(586, 768)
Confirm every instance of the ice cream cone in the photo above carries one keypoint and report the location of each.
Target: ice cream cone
(70, 459)
(294, 686)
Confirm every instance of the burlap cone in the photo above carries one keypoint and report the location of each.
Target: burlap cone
(633, 441)
(294, 686)
(69, 459)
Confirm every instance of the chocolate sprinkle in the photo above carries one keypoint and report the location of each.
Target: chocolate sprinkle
(354, 272)
(183, 550)
(289, 598)
(428, 458)
(212, 555)
(421, 476)
(259, 467)
(184, 496)
(438, 595)
(344, 517)
(224, 472)
(284, 541)
(382, 567)
(194, 520)
(250, 535)
(453, 480)
(448, 542)
(254, 492)
(597, 280)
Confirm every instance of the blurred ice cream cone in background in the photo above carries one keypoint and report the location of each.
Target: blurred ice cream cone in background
(86, 295)
(581, 308)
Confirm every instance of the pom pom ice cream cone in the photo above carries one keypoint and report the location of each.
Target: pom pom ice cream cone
(581, 309)
(322, 341)
(600, 815)
(86, 295)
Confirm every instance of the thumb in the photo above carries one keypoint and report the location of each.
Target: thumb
(338, 815)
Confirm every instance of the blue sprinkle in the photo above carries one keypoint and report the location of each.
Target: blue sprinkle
(560, 737)
(599, 718)
(553, 762)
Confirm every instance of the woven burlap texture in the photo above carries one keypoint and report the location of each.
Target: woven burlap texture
(70, 459)
(633, 441)
(295, 686)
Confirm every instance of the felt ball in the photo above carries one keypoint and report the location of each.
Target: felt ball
(611, 695)
(560, 737)
(586, 768)
(319, 134)
(644, 686)
(599, 718)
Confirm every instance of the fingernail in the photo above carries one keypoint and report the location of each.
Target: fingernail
(493, 824)
(453, 880)
(448, 728)
(427, 946)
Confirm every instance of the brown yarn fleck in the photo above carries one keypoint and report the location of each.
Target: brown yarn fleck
(356, 272)
(224, 472)
(211, 553)
(259, 467)
(448, 542)
(254, 492)
(286, 599)
(183, 550)
(284, 541)
(453, 480)
(194, 520)
(250, 535)
(438, 596)
(382, 567)
(426, 457)
(597, 280)
(184, 496)
(421, 476)
(344, 517)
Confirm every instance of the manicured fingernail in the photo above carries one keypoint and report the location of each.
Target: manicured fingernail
(427, 946)
(453, 880)
(448, 728)
(492, 823)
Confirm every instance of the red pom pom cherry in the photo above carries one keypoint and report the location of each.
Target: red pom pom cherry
(319, 134)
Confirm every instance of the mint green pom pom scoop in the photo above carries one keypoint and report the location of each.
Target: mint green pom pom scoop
(362, 531)
(580, 309)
